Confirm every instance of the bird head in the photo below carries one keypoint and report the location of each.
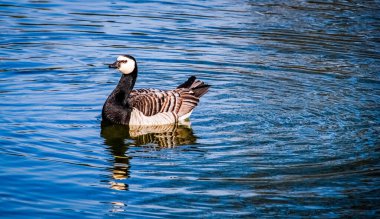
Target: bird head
(126, 64)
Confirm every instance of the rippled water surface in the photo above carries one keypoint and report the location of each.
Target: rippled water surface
(290, 126)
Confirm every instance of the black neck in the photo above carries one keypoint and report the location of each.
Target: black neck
(126, 83)
(116, 108)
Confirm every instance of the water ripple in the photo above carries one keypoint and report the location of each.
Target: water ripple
(289, 128)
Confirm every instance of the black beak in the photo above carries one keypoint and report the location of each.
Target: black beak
(113, 65)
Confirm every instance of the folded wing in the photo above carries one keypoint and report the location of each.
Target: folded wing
(179, 101)
(153, 101)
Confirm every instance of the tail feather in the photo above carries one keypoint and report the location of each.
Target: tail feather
(187, 83)
(201, 89)
(198, 87)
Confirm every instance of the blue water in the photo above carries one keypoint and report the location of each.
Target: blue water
(290, 126)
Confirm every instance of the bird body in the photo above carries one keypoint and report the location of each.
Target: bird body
(149, 106)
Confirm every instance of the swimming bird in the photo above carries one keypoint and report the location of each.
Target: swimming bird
(149, 106)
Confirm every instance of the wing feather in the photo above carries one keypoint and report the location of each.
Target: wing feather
(150, 102)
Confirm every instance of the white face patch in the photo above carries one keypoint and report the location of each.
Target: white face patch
(127, 65)
(122, 58)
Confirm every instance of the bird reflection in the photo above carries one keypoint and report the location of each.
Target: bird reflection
(119, 138)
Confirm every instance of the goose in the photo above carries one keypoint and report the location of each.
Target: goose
(149, 107)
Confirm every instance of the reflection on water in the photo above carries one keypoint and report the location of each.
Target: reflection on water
(119, 138)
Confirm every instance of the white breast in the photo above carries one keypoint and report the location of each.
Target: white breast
(138, 118)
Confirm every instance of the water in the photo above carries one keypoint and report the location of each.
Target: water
(290, 127)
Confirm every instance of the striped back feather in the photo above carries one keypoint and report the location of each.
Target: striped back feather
(179, 101)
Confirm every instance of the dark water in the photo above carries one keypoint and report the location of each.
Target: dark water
(290, 127)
